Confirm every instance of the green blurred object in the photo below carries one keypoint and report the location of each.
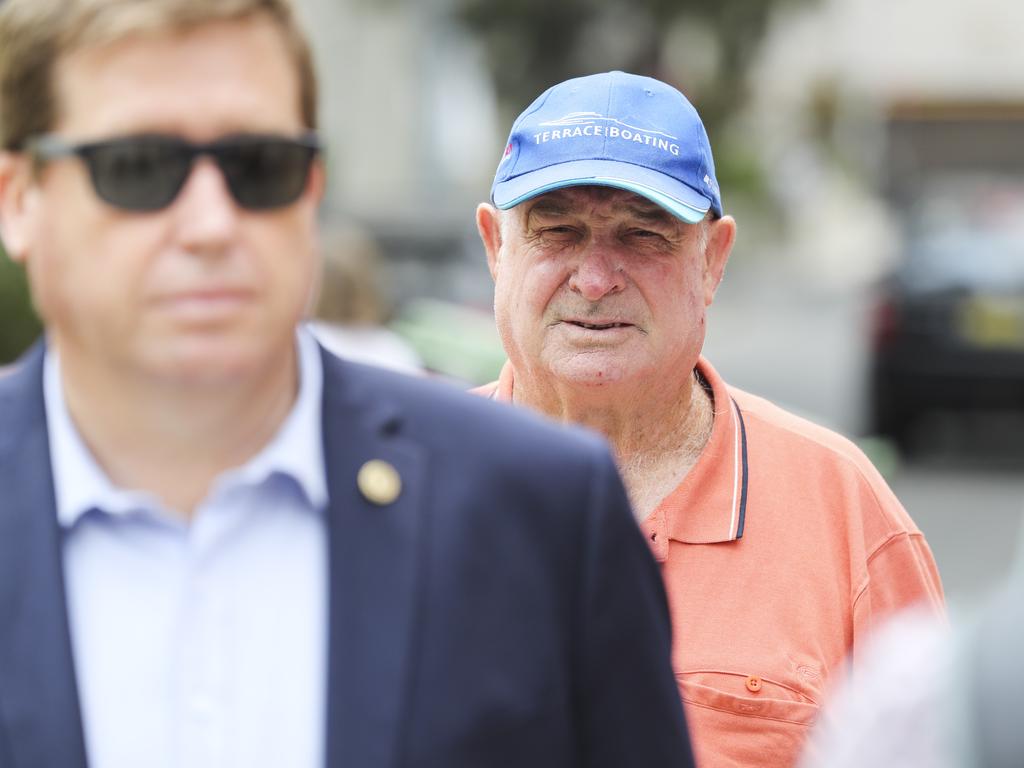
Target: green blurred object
(454, 340)
(19, 326)
(882, 452)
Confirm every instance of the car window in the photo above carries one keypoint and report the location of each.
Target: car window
(967, 258)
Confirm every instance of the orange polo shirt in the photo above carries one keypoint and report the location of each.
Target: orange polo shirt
(781, 550)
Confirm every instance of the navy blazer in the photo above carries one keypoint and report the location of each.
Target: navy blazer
(503, 611)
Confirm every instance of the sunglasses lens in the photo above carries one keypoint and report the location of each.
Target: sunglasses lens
(139, 174)
(265, 173)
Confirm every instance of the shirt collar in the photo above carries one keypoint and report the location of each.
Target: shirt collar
(709, 506)
(295, 451)
(503, 387)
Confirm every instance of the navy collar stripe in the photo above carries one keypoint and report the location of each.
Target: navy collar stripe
(743, 487)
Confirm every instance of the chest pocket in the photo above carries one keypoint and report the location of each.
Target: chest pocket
(747, 694)
(739, 720)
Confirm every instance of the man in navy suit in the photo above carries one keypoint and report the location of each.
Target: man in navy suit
(220, 545)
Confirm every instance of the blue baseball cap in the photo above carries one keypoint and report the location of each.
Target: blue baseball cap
(615, 130)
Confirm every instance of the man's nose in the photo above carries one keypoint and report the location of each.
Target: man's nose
(598, 273)
(207, 213)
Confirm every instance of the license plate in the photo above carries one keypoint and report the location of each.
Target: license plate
(993, 321)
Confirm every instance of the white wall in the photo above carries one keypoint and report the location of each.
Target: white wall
(407, 111)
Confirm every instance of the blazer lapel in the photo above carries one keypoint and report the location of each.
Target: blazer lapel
(374, 562)
(39, 712)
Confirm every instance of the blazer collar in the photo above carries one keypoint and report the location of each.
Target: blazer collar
(375, 553)
(39, 713)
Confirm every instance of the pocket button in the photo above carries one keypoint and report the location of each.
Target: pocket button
(753, 683)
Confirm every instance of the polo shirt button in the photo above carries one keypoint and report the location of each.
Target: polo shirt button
(753, 683)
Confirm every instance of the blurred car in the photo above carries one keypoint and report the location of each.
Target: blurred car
(948, 324)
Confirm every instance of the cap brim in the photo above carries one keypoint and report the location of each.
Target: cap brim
(675, 197)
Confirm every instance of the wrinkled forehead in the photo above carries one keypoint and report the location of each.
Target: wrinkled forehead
(593, 199)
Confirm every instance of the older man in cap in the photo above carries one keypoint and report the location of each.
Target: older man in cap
(780, 544)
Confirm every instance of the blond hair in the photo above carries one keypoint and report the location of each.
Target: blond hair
(35, 34)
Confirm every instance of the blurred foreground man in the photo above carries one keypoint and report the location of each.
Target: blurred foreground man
(220, 546)
(779, 543)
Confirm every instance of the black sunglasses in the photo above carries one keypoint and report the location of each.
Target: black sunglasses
(146, 172)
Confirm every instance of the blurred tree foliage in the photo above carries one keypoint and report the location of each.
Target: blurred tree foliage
(19, 326)
(703, 48)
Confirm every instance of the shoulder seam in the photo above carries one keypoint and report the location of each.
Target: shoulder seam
(855, 462)
(877, 551)
(835, 451)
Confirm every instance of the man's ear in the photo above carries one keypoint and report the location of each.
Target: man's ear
(721, 236)
(488, 224)
(18, 196)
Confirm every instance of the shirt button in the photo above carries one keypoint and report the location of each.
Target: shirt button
(753, 683)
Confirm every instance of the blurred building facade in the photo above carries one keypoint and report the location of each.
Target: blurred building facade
(849, 100)
(408, 115)
(860, 104)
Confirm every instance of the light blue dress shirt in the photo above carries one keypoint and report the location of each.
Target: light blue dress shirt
(202, 643)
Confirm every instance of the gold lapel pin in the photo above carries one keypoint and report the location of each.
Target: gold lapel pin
(379, 482)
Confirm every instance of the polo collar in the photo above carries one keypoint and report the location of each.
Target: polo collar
(710, 505)
(503, 387)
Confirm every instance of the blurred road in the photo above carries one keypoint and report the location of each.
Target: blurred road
(802, 345)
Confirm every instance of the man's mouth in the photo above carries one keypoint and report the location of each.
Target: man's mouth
(598, 326)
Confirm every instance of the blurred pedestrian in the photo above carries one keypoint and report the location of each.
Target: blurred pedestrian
(221, 545)
(780, 545)
(351, 312)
